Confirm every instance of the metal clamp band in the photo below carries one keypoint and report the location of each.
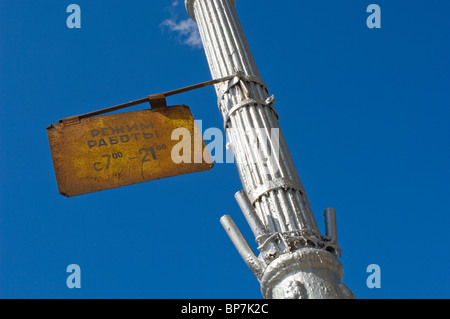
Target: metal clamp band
(267, 103)
(256, 193)
(238, 106)
(305, 238)
(241, 78)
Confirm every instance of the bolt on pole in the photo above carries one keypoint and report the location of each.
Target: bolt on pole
(295, 259)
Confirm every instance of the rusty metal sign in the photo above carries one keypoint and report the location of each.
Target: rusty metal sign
(104, 152)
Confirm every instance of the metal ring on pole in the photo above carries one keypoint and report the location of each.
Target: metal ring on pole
(238, 106)
(256, 193)
(240, 77)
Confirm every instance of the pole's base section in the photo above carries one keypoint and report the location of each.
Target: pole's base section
(307, 273)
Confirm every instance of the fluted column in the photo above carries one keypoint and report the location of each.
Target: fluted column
(273, 199)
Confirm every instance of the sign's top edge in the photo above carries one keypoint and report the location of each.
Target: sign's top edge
(76, 119)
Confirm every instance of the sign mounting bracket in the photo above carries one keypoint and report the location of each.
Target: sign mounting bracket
(155, 100)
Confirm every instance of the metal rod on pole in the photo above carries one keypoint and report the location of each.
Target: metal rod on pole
(249, 212)
(330, 223)
(241, 245)
(149, 98)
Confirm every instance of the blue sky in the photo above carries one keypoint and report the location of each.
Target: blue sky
(365, 113)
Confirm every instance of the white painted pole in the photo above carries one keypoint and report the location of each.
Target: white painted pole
(296, 260)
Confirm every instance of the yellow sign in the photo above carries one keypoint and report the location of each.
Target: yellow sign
(104, 152)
